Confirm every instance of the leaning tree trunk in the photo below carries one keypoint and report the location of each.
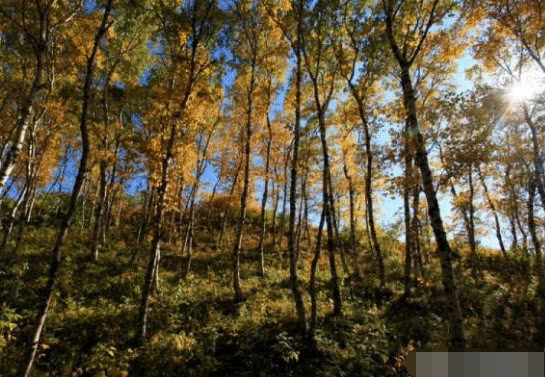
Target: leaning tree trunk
(535, 239)
(23, 120)
(161, 193)
(68, 218)
(443, 246)
(538, 162)
(370, 218)
(8, 226)
(494, 211)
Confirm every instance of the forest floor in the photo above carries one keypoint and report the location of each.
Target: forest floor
(196, 329)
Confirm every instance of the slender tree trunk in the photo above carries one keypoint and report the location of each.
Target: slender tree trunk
(352, 222)
(538, 162)
(294, 281)
(23, 120)
(521, 228)
(264, 202)
(369, 189)
(535, 239)
(211, 201)
(8, 226)
(284, 202)
(227, 212)
(67, 220)
(299, 228)
(337, 300)
(407, 214)
(24, 215)
(416, 233)
(494, 211)
(153, 262)
(201, 167)
(471, 227)
(246, 183)
(312, 282)
(445, 252)
(514, 242)
(99, 212)
(275, 211)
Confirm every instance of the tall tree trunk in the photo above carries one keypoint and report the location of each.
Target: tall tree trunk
(8, 226)
(23, 120)
(99, 212)
(369, 188)
(227, 212)
(294, 281)
(264, 202)
(312, 282)
(535, 239)
(416, 233)
(67, 220)
(161, 193)
(211, 201)
(512, 223)
(284, 201)
(521, 228)
(246, 183)
(494, 211)
(352, 222)
(445, 252)
(536, 150)
(275, 211)
(407, 212)
(337, 300)
(471, 234)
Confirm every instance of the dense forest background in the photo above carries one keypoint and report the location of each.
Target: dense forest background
(199, 187)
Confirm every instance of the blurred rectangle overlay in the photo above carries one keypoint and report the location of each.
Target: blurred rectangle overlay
(475, 363)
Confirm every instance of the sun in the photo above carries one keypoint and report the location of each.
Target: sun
(527, 86)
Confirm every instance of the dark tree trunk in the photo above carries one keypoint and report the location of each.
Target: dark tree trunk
(294, 281)
(494, 211)
(260, 247)
(275, 211)
(246, 183)
(151, 272)
(352, 222)
(538, 162)
(8, 226)
(284, 200)
(227, 211)
(535, 239)
(67, 220)
(370, 218)
(476, 265)
(99, 212)
(445, 252)
(407, 214)
(312, 282)
(416, 233)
